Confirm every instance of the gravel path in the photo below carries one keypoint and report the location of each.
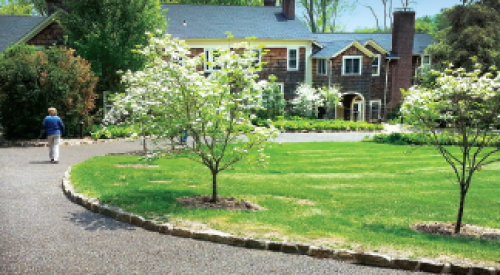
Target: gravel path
(42, 232)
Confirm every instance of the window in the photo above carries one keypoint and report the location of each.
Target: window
(351, 65)
(322, 66)
(178, 60)
(281, 85)
(211, 56)
(257, 58)
(426, 60)
(376, 65)
(375, 106)
(293, 60)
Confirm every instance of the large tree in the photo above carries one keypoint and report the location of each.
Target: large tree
(16, 7)
(322, 15)
(105, 32)
(470, 104)
(22, 7)
(473, 31)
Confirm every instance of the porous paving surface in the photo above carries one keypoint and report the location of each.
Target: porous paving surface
(42, 232)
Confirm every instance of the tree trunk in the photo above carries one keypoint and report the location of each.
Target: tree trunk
(214, 187)
(460, 212)
(311, 16)
(145, 146)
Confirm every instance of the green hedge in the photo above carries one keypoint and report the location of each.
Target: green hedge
(423, 139)
(299, 124)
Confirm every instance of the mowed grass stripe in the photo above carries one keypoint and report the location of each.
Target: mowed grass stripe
(359, 195)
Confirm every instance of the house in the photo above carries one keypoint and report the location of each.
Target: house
(370, 68)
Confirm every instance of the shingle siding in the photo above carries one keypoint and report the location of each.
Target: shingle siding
(50, 35)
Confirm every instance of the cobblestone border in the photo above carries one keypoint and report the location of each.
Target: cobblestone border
(63, 142)
(364, 258)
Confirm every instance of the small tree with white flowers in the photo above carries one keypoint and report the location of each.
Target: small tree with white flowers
(470, 104)
(216, 110)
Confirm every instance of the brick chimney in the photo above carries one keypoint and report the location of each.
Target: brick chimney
(270, 3)
(288, 8)
(52, 4)
(403, 32)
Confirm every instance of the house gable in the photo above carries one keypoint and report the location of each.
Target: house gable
(48, 21)
(372, 45)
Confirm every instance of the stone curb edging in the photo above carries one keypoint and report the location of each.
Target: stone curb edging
(63, 142)
(364, 258)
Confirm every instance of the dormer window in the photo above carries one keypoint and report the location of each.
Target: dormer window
(293, 59)
(376, 65)
(351, 65)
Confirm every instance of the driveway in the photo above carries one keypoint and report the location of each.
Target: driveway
(42, 232)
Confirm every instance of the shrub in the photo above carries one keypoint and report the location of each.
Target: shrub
(273, 101)
(31, 81)
(425, 139)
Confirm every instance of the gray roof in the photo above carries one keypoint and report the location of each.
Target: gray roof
(332, 41)
(13, 28)
(204, 21)
(331, 48)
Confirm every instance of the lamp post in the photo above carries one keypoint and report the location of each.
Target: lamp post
(81, 129)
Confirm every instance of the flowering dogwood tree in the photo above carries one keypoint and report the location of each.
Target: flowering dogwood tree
(331, 98)
(308, 99)
(216, 110)
(470, 103)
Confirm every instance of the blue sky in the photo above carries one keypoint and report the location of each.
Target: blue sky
(362, 17)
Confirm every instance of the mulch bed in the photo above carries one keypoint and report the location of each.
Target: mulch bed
(203, 201)
(466, 230)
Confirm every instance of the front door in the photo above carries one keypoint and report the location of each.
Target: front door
(357, 111)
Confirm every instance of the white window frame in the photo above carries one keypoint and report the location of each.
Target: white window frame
(281, 85)
(209, 58)
(178, 60)
(379, 101)
(352, 57)
(318, 66)
(288, 68)
(379, 57)
(258, 59)
(423, 58)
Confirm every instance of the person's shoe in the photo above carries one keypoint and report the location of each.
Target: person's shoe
(51, 160)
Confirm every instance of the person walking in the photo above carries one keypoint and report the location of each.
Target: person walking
(54, 128)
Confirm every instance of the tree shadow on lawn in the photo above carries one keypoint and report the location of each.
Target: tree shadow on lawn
(93, 221)
(151, 202)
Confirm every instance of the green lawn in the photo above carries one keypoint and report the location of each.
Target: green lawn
(350, 195)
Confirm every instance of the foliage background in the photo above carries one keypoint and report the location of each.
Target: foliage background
(31, 81)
